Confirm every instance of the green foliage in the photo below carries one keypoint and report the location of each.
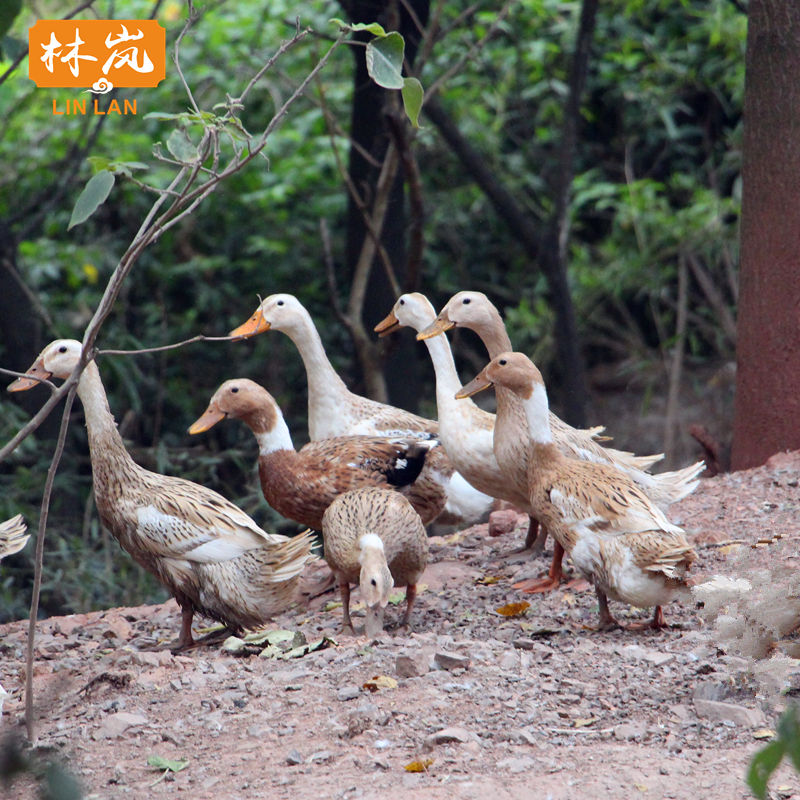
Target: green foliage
(768, 759)
(94, 194)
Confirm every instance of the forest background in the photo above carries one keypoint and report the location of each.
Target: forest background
(618, 171)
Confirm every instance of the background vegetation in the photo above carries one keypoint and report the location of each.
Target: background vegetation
(653, 221)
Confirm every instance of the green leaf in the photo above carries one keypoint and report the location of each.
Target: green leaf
(764, 763)
(412, 99)
(371, 27)
(181, 147)
(164, 763)
(94, 194)
(8, 12)
(385, 61)
(789, 734)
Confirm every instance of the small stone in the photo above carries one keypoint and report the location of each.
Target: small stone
(629, 731)
(729, 712)
(348, 693)
(412, 664)
(294, 758)
(517, 765)
(711, 690)
(519, 736)
(451, 661)
(117, 724)
(502, 522)
(449, 735)
(117, 628)
(320, 757)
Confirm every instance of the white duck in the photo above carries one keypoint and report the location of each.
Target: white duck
(211, 556)
(617, 538)
(333, 410)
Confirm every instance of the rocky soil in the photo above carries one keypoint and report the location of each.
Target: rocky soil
(535, 705)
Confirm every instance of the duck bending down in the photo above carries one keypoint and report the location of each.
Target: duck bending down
(475, 311)
(209, 554)
(13, 536)
(374, 537)
(333, 410)
(618, 539)
(302, 484)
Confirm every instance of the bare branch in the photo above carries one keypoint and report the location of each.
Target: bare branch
(160, 349)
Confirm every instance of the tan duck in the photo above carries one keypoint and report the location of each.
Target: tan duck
(475, 311)
(333, 410)
(374, 537)
(617, 537)
(302, 484)
(12, 536)
(211, 556)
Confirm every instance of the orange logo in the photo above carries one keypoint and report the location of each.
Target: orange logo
(98, 55)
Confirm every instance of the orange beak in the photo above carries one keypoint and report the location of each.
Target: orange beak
(477, 384)
(209, 419)
(441, 324)
(387, 325)
(255, 325)
(35, 374)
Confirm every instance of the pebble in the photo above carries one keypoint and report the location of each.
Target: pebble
(412, 664)
(517, 765)
(450, 661)
(629, 731)
(117, 724)
(448, 735)
(348, 693)
(294, 758)
(722, 712)
(502, 522)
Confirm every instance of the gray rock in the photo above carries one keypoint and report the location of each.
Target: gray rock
(451, 661)
(629, 731)
(450, 735)
(294, 758)
(348, 693)
(517, 765)
(518, 736)
(412, 664)
(117, 724)
(729, 712)
(711, 690)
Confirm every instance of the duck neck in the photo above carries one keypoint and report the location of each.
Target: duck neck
(494, 336)
(537, 414)
(319, 370)
(447, 380)
(104, 438)
(271, 431)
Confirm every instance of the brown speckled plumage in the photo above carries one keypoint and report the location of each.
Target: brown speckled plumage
(386, 514)
(210, 555)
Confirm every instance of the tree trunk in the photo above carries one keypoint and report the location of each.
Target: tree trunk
(370, 133)
(768, 353)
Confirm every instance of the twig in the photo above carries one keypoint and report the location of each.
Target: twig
(161, 348)
(330, 273)
(39, 560)
(676, 368)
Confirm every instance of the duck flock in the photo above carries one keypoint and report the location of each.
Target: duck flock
(373, 476)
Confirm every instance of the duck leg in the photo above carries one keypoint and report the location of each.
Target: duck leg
(535, 538)
(551, 580)
(344, 589)
(607, 622)
(657, 623)
(411, 595)
(185, 639)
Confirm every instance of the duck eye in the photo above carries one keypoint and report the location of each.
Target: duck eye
(467, 301)
(234, 389)
(280, 302)
(62, 349)
(374, 582)
(402, 302)
(502, 362)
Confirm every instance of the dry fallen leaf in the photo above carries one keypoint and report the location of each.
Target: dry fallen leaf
(488, 580)
(331, 605)
(641, 787)
(764, 733)
(583, 722)
(419, 766)
(568, 598)
(380, 682)
(513, 609)
(728, 549)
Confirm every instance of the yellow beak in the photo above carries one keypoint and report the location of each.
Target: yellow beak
(23, 384)
(439, 325)
(209, 419)
(256, 324)
(477, 384)
(387, 325)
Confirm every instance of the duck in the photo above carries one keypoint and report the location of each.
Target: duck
(211, 556)
(475, 311)
(12, 536)
(301, 484)
(617, 537)
(333, 410)
(375, 538)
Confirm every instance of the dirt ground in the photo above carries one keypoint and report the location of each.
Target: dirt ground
(537, 705)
